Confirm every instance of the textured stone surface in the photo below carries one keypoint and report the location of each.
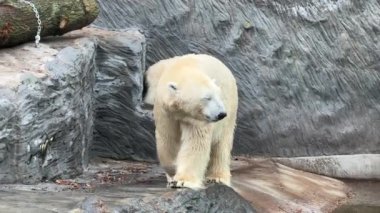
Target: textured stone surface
(216, 198)
(307, 71)
(361, 166)
(94, 205)
(46, 111)
(122, 129)
(56, 100)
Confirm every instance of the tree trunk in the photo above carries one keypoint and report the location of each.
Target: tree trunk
(18, 22)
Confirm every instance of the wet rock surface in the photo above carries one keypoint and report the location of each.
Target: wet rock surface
(307, 71)
(273, 187)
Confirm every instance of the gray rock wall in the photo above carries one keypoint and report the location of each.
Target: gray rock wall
(307, 71)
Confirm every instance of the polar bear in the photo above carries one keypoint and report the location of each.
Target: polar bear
(195, 101)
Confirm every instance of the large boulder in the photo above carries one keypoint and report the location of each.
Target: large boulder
(123, 130)
(72, 95)
(46, 111)
(217, 198)
(307, 71)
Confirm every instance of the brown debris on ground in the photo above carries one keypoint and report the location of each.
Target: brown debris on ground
(106, 172)
(71, 184)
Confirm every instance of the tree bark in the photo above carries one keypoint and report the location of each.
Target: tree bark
(18, 22)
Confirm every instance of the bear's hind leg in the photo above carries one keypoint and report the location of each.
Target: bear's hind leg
(218, 170)
(193, 157)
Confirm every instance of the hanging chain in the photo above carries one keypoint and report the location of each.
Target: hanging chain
(39, 26)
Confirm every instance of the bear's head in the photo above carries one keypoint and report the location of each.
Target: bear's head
(195, 99)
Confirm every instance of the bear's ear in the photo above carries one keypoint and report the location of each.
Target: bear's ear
(172, 86)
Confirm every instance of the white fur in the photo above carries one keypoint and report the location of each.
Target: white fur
(188, 93)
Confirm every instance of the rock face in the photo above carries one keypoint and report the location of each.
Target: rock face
(46, 112)
(93, 205)
(122, 129)
(307, 71)
(217, 198)
(59, 100)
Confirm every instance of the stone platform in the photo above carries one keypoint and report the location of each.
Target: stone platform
(124, 185)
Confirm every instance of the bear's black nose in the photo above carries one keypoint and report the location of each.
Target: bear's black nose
(222, 115)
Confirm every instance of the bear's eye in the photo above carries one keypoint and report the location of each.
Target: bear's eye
(207, 98)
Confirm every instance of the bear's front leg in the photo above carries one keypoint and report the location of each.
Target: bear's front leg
(167, 143)
(193, 156)
(218, 170)
(167, 148)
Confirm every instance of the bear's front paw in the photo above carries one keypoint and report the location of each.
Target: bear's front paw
(185, 184)
(219, 180)
(176, 184)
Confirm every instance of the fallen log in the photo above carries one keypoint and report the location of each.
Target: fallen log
(18, 21)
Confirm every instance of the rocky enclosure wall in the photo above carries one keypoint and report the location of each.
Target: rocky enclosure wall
(307, 71)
